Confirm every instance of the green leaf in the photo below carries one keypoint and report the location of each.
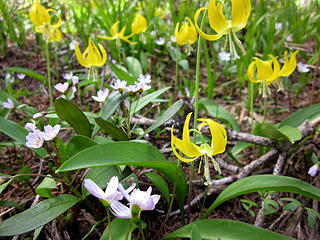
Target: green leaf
(219, 112)
(43, 190)
(115, 132)
(134, 66)
(169, 113)
(72, 114)
(265, 183)
(128, 153)
(227, 230)
(292, 206)
(77, 144)
(18, 133)
(37, 216)
(195, 233)
(27, 72)
(122, 75)
(101, 176)
(297, 118)
(292, 133)
(119, 229)
(4, 203)
(146, 100)
(312, 216)
(160, 183)
(268, 130)
(184, 64)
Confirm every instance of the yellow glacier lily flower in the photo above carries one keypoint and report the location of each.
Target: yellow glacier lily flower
(91, 57)
(267, 72)
(241, 10)
(191, 150)
(187, 33)
(41, 18)
(115, 35)
(139, 24)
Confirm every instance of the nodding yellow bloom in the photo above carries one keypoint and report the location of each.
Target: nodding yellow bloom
(115, 35)
(139, 24)
(240, 13)
(218, 142)
(140, 6)
(187, 33)
(269, 71)
(193, 151)
(91, 57)
(41, 18)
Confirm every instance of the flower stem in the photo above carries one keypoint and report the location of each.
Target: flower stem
(141, 230)
(265, 109)
(93, 227)
(129, 231)
(109, 223)
(49, 76)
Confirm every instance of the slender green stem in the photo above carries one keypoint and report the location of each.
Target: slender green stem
(129, 231)
(172, 197)
(204, 200)
(141, 230)
(109, 223)
(49, 76)
(94, 227)
(264, 109)
(251, 104)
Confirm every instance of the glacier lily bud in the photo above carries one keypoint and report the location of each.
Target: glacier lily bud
(139, 24)
(241, 10)
(115, 35)
(91, 57)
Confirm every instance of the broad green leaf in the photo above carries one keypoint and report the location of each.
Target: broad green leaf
(297, 118)
(72, 115)
(239, 147)
(160, 183)
(142, 102)
(77, 144)
(169, 113)
(127, 153)
(312, 216)
(37, 216)
(184, 64)
(5, 203)
(27, 72)
(218, 111)
(43, 190)
(195, 233)
(100, 176)
(292, 206)
(292, 133)
(119, 229)
(282, 134)
(134, 66)
(109, 107)
(115, 132)
(18, 133)
(122, 75)
(227, 230)
(265, 183)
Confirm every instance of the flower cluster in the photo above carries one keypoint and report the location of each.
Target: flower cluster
(41, 18)
(140, 86)
(138, 200)
(36, 138)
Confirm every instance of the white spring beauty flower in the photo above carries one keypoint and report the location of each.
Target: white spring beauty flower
(302, 67)
(9, 104)
(61, 87)
(144, 78)
(160, 41)
(314, 170)
(75, 80)
(119, 85)
(50, 132)
(101, 95)
(34, 139)
(141, 86)
(73, 91)
(30, 126)
(131, 89)
(37, 115)
(278, 26)
(224, 56)
(141, 199)
(72, 44)
(21, 76)
(67, 76)
(289, 38)
(109, 195)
